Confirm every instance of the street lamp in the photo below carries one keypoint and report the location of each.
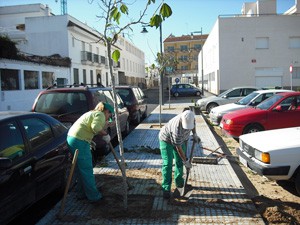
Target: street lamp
(192, 33)
(161, 72)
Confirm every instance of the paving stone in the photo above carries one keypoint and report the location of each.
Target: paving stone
(218, 195)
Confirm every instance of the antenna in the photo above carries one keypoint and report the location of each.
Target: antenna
(63, 6)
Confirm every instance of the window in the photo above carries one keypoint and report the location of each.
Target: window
(184, 67)
(76, 75)
(30, 79)
(294, 42)
(92, 77)
(262, 43)
(170, 49)
(47, 79)
(12, 147)
(197, 47)
(9, 79)
(235, 93)
(84, 76)
(183, 47)
(38, 132)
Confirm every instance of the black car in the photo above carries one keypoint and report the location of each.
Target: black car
(67, 104)
(34, 160)
(135, 101)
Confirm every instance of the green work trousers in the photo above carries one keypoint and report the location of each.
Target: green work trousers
(168, 153)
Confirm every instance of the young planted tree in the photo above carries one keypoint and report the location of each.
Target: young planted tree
(112, 13)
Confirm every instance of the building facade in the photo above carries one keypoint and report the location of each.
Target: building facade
(38, 32)
(185, 50)
(256, 48)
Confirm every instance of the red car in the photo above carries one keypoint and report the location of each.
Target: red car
(279, 111)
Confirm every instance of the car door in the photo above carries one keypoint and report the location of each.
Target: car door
(189, 90)
(286, 116)
(17, 188)
(140, 99)
(234, 95)
(46, 154)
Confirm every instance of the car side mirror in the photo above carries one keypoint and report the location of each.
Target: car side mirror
(5, 163)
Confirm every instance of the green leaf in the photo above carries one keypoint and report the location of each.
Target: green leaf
(151, 1)
(114, 12)
(124, 9)
(155, 21)
(117, 18)
(116, 55)
(165, 11)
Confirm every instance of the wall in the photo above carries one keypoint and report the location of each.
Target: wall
(23, 99)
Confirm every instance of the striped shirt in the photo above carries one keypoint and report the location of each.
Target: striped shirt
(173, 133)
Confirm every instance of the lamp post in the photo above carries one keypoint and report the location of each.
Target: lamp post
(161, 72)
(202, 75)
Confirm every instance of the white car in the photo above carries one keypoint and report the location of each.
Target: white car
(229, 96)
(274, 154)
(252, 99)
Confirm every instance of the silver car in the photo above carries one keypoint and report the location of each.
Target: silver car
(229, 96)
(252, 99)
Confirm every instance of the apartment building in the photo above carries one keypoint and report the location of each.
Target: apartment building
(185, 50)
(256, 48)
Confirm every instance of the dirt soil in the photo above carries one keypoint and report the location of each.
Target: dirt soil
(277, 202)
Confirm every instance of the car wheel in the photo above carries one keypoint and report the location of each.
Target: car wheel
(127, 129)
(210, 107)
(253, 128)
(297, 182)
(145, 114)
(176, 94)
(198, 93)
(138, 118)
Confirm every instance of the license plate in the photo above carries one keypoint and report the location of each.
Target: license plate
(243, 161)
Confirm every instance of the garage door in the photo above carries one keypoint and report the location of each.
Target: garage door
(268, 81)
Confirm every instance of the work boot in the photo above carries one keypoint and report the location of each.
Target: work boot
(166, 194)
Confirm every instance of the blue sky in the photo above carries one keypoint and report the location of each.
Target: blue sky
(188, 16)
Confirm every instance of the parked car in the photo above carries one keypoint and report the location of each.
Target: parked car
(279, 111)
(136, 102)
(250, 100)
(184, 90)
(34, 160)
(69, 103)
(229, 96)
(274, 154)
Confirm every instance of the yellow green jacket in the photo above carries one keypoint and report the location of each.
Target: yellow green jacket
(88, 125)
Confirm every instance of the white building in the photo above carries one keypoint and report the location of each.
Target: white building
(39, 32)
(255, 48)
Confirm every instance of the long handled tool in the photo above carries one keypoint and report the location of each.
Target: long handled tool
(182, 190)
(213, 160)
(118, 162)
(62, 207)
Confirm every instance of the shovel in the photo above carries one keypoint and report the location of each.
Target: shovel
(182, 191)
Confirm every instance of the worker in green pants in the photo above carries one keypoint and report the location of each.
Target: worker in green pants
(172, 141)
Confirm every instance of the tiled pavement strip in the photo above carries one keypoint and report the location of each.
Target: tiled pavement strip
(218, 195)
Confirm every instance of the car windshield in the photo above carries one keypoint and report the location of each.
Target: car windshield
(247, 99)
(269, 102)
(62, 103)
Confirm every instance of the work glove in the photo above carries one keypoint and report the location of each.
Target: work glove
(187, 164)
(106, 138)
(196, 138)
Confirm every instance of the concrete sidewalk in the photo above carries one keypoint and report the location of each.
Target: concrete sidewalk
(218, 196)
